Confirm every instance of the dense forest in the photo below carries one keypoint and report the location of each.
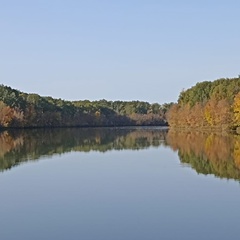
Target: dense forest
(18, 109)
(214, 105)
(208, 105)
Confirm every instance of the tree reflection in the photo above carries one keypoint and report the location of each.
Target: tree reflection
(208, 153)
(23, 145)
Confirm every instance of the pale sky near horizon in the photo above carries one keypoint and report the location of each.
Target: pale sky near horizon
(117, 50)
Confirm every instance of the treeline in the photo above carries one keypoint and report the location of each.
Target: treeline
(18, 109)
(208, 104)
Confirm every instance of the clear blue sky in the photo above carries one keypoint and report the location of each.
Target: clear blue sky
(117, 50)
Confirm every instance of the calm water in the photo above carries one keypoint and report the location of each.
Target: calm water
(100, 184)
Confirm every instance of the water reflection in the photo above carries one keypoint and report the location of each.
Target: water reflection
(207, 153)
(24, 145)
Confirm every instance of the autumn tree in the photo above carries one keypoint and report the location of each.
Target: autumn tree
(236, 111)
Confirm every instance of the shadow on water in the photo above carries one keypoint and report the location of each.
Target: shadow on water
(206, 153)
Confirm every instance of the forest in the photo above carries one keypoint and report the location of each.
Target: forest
(19, 109)
(208, 104)
(214, 105)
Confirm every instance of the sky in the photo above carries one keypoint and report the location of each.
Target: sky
(117, 50)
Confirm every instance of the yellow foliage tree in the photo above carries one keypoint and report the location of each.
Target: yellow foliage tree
(236, 110)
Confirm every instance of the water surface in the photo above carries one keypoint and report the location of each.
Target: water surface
(119, 183)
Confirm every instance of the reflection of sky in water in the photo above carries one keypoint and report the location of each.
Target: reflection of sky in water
(127, 194)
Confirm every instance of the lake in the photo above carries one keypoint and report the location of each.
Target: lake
(119, 184)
